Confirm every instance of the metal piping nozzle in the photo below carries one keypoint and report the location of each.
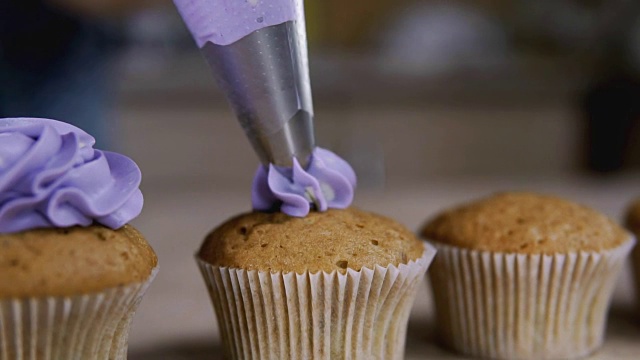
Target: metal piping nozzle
(265, 77)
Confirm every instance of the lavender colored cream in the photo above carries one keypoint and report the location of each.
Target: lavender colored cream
(224, 22)
(51, 176)
(328, 182)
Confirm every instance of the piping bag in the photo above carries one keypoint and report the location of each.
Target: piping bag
(257, 51)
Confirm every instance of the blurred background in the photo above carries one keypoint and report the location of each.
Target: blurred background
(433, 102)
(405, 90)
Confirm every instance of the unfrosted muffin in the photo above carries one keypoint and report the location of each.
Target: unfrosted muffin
(632, 221)
(332, 285)
(524, 276)
(72, 273)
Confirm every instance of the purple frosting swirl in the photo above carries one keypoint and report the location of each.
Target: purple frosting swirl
(50, 176)
(329, 182)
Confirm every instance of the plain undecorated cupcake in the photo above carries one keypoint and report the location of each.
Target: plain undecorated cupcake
(524, 276)
(332, 285)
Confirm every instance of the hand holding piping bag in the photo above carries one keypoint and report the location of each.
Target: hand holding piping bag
(257, 50)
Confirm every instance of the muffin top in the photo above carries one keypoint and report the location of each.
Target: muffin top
(632, 219)
(321, 241)
(520, 222)
(71, 261)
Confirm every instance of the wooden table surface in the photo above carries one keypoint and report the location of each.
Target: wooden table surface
(175, 320)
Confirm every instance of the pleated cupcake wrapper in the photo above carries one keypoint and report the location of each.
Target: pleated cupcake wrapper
(518, 306)
(85, 327)
(275, 315)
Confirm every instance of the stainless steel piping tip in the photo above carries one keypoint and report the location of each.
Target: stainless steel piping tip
(265, 77)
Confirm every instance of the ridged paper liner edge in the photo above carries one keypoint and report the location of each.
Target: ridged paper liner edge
(521, 306)
(275, 315)
(91, 326)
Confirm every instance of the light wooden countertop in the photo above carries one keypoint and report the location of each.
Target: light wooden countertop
(175, 320)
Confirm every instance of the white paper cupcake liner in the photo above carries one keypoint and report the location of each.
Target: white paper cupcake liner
(85, 327)
(518, 306)
(275, 315)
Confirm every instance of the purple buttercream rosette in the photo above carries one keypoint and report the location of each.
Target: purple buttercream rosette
(328, 182)
(50, 176)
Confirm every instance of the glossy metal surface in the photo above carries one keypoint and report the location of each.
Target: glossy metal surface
(265, 77)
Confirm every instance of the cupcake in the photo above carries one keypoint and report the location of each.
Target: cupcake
(524, 276)
(632, 221)
(332, 285)
(72, 272)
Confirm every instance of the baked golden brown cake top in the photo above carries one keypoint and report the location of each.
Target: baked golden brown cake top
(527, 223)
(71, 261)
(632, 218)
(321, 241)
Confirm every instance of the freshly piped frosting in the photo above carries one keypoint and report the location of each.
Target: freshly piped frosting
(328, 182)
(224, 22)
(50, 176)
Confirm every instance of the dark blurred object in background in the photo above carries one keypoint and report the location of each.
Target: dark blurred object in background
(612, 110)
(56, 61)
(612, 101)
